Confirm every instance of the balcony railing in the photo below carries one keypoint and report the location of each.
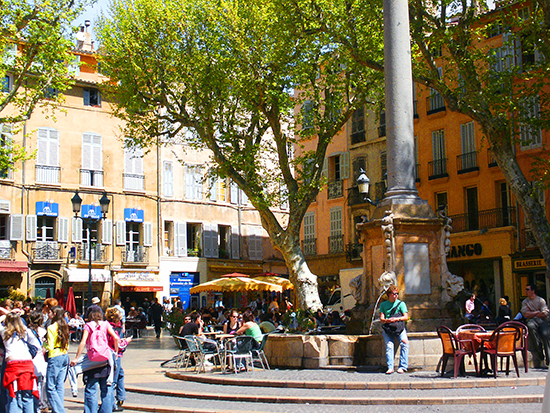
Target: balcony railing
(467, 162)
(133, 182)
(309, 246)
(46, 251)
(358, 137)
(6, 250)
(489, 218)
(335, 189)
(355, 197)
(354, 252)
(336, 244)
(89, 177)
(435, 103)
(99, 253)
(47, 174)
(527, 240)
(437, 169)
(139, 254)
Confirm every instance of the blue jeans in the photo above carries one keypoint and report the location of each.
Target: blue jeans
(23, 402)
(55, 381)
(390, 351)
(120, 392)
(90, 396)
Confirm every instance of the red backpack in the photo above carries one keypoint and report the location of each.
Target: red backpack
(98, 347)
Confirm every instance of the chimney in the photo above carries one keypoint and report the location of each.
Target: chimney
(84, 38)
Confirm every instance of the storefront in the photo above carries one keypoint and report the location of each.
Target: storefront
(11, 276)
(78, 279)
(138, 285)
(530, 268)
(180, 284)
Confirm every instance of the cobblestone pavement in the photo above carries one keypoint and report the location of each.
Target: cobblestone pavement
(143, 372)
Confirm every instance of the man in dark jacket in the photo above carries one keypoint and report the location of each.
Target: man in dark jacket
(155, 313)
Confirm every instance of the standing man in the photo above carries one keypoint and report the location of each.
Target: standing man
(156, 312)
(393, 315)
(535, 310)
(122, 311)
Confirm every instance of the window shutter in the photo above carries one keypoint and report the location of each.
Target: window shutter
(259, 243)
(214, 189)
(63, 230)
(54, 148)
(86, 97)
(31, 227)
(120, 233)
(234, 193)
(42, 147)
(16, 227)
(244, 198)
(235, 243)
(76, 230)
(148, 234)
(98, 97)
(97, 153)
(215, 242)
(344, 165)
(128, 161)
(207, 239)
(180, 236)
(168, 179)
(107, 231)
(87, 151)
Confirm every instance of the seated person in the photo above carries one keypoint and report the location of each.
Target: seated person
(504, 312)
(266, 326)
(535, 310)
(470, 307)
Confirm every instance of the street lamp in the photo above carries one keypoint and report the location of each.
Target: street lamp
(363, 183)
(88, 222)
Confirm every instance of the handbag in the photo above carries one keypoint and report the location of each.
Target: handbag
(33, 350)
(396, 327)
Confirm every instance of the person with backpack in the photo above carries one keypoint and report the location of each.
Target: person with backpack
(95, 338)
(57, 345)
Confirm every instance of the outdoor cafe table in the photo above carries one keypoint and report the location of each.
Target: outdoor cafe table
(481, 338)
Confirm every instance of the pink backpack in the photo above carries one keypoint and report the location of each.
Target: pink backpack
(98, 348)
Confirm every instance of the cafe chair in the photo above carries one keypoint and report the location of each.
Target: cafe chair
(209, 353)
(183, 354)
(521, 343)
(453, 347)
(259, 354)
(502, 343)
(194, 353)
(242, 350)
(469, 327)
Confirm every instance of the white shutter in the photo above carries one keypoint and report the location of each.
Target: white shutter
(128, 161)
(244, 198)
(54, 148)
(234, 193)
(235, 243)
(87, 150)
(180, 236)
(148, 234)
(42, 147)
(16, 227)
(207, 240)
(168, 179)
(31, 227)
(252, 243)
(63, 230)
(76, 230)
(215, 242)
(97, 153)
(467, 137)
(214, 190)
(344, 165)
(120, 233)
(107, 231)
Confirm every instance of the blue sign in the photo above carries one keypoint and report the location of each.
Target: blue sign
(133, 215)
(48, 209)
(181, 283)
(90, 211)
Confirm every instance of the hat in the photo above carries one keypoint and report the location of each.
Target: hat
(95, 300)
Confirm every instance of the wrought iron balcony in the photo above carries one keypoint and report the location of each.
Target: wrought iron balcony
(98, 251)
(354, 251)
(489, 218)
(309, 246)
(435, 103)
(46, 174)
(336, 244)
(437, 169)
(139, 255)
(335, 189)
(358, 137)
(467, 162)
(46, 251)
(134, 182)
(6, 250)
(89, 177)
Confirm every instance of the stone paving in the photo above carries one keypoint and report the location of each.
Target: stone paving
(146, 381)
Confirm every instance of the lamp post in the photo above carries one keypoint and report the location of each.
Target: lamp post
(363, 183)
(88, 222)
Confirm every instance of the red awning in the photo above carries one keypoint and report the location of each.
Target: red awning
(14, 266)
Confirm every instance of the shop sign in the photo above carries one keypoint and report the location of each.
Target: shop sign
(468, 250)
(181, 283)
(533, 263)
(137, 276)
(47, 209)
(133, 215)
(90, 211)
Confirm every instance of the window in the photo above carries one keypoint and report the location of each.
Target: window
(436, 103)
(382, 124)
(504, 202)
(358, 164)
(358, 126)
(472, 209)
(255, 249)
(92, 97)
(194, 236)
(439, 164)
(51, 93)
(224, 241)
(336, 239)
(168, 238)
(47, 158)
(309, 245)
(91, 173)
(494, 28)
(6, 83)
(134, 179)
(3, 227)
(337, 167)
(45, 228)
(218, 192)
(468, 159)
(307, 115)
(441, 201)
(193, 182)
(530, 135)
(168, 179)
(6, 141)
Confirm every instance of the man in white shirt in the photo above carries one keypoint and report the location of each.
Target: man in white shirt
(535, 310)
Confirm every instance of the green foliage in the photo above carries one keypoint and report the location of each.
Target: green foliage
(305, 321)
(15, 295)
(174, 320)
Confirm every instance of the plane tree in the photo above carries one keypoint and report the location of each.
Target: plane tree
(227, 76)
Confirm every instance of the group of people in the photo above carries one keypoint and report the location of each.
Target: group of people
(148, 313)
(35, 360)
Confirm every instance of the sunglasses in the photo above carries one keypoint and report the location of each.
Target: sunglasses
(394, 293)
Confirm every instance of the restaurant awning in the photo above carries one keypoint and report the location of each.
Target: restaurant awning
(78, 275)
(14, 266)
(139, 287)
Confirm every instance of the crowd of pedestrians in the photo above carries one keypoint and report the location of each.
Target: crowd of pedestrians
(34, 343)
